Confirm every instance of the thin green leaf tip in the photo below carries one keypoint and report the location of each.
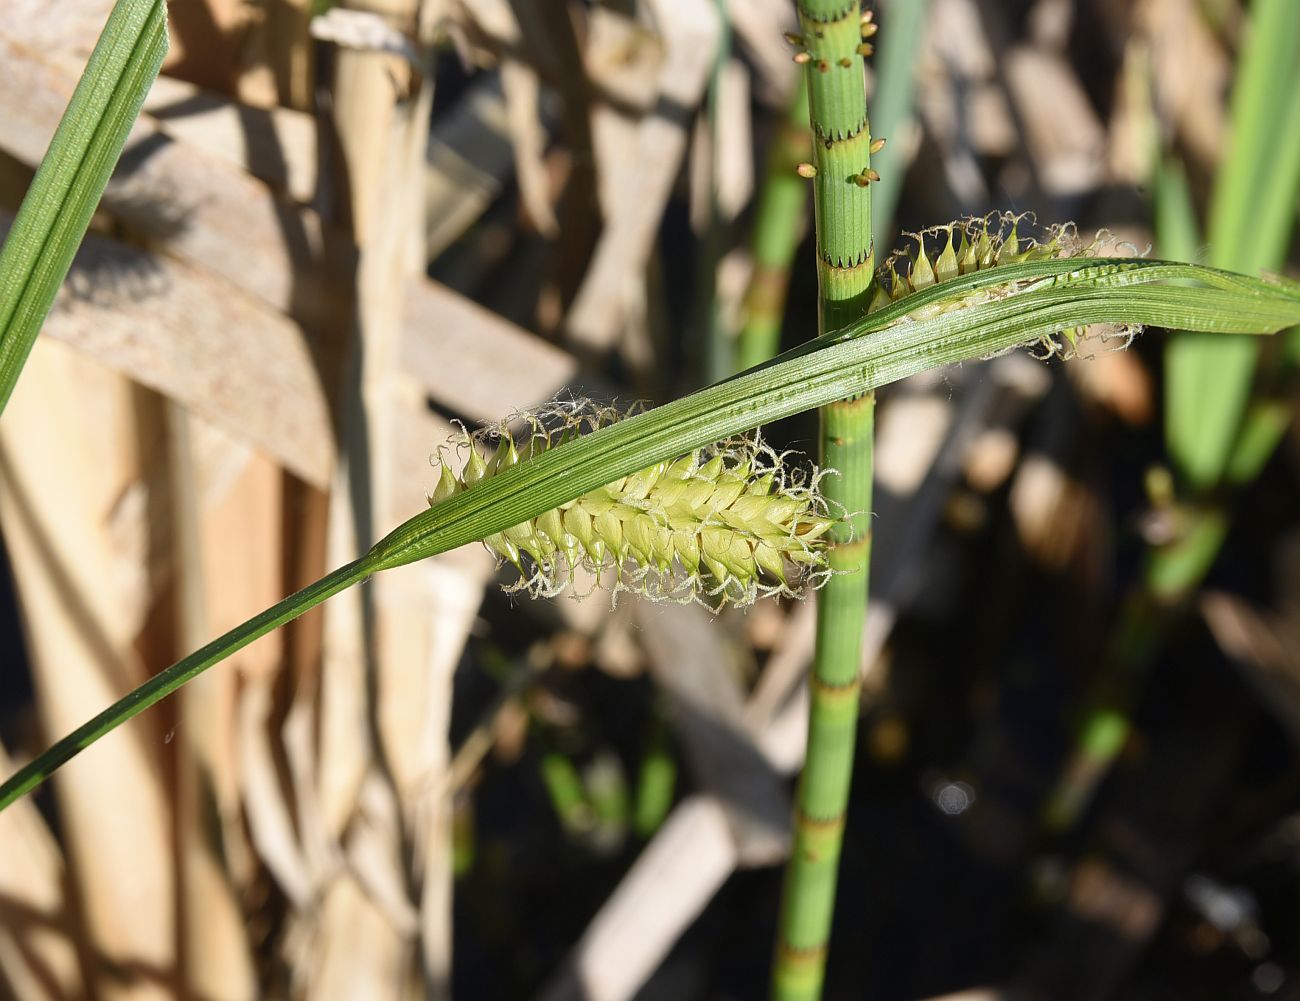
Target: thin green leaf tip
(721, 525)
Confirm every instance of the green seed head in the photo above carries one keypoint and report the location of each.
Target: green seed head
(942, 253)
(722, 525)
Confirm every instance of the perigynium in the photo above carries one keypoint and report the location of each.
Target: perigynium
(983, 243)
(967, 245)
(721, 525)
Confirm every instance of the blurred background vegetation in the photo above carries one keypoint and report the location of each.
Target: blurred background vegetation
(338, 229)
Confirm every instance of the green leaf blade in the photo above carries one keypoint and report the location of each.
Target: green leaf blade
(1251, 212)
(910, 336)
(58, 207)
(968, 317)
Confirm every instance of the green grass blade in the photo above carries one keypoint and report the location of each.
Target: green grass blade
(567, 793)
(1251, 212)
(1278, 190)
(891, 108)
(656, 785)
(1261, 100)
(1195, 443)
(165, 682)
(969, 317)
(778, 227)
(1177, 232)
(1210, 439)
(67, 187)
(1262, 428)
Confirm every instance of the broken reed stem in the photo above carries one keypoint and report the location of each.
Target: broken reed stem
(832, 48)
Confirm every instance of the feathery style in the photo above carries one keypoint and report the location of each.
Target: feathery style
(982, 243)
(722, 525)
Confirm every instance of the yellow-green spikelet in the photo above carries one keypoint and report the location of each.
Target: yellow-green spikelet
(965, 246)
(721, 525)
(942, 253)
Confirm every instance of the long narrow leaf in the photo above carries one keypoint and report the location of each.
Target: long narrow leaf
(973, 316)
(921, 332)
(71, 178)
(891, 109)
(1252, 209)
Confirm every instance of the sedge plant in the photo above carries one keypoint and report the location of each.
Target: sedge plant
(971, 315)
(656, 499)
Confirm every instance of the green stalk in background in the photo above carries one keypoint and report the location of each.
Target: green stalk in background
(1252, 209)
(656, 783)
(715, 344)
(1219, 437)
(892, 108)
(70, 180)
(833, 46)
(783, 197)
(971, 316)
(778, 228)
(567, 794)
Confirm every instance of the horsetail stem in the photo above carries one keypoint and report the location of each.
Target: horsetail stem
(833, 35)
(720, 525)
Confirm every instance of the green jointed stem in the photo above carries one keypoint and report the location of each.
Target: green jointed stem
(716, 345)
(164, 683)
(832, 37)
(809, 899)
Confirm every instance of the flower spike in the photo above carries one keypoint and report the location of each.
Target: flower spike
(722, 525)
